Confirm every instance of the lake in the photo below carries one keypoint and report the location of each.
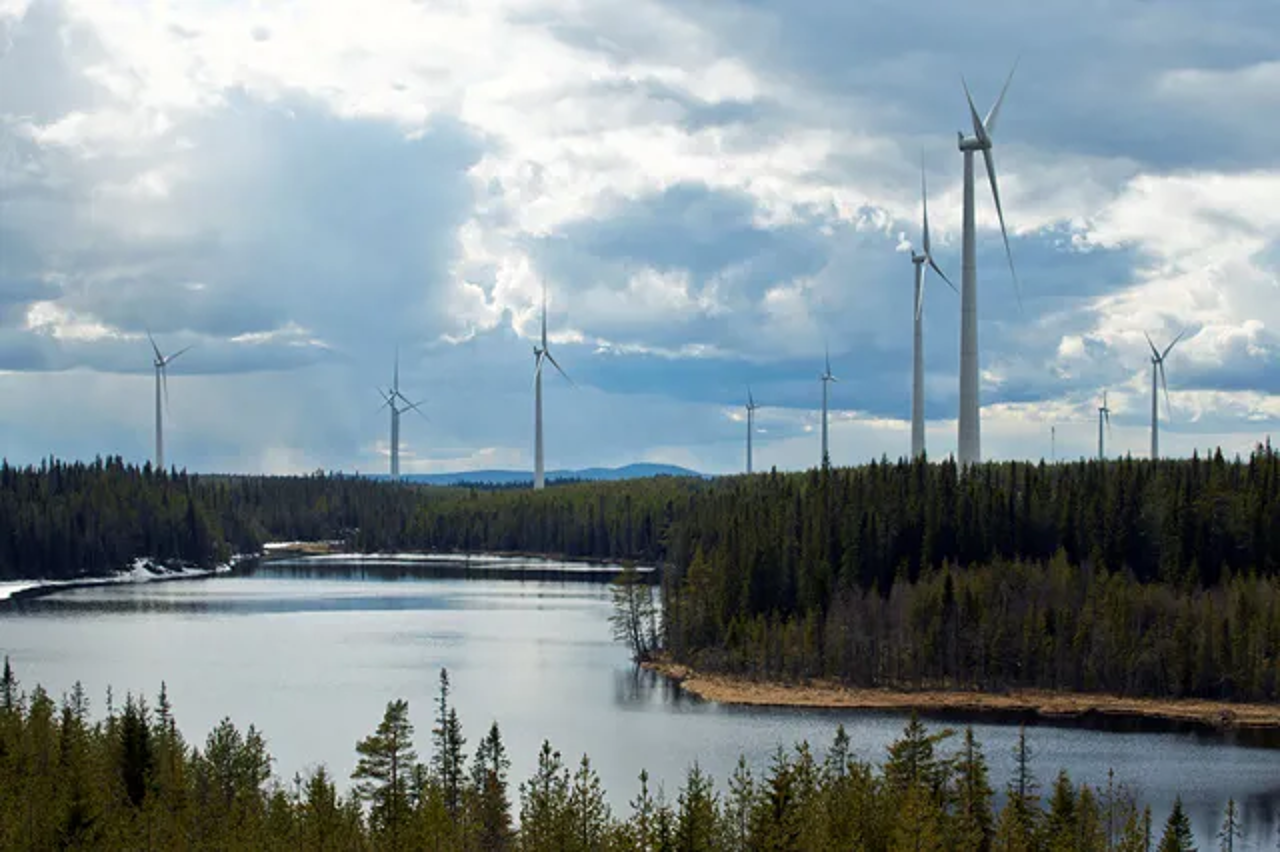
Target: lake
(311, 652)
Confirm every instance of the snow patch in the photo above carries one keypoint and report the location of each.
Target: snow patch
(142, 570)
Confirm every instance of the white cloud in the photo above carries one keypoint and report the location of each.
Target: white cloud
(298, 187)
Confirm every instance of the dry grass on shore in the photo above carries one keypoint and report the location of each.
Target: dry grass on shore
(734, 690)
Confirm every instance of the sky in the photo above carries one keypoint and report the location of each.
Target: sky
(712, 194)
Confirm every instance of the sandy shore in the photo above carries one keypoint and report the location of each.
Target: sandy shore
(731, 690)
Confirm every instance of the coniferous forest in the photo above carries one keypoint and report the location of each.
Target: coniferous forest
(130, 780)
(1129, 577)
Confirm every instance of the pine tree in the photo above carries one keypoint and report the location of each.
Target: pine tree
(1177, 835)
(386, 765)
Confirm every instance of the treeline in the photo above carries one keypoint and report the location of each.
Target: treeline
(64, 520)
(131, 781)
(1047, 626)
(789, 541)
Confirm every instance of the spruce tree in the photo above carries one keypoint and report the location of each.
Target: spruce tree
(447, 759)
(1230, 831)
(1177, 831)
(492, 808)
(972, 796)
(697, 813)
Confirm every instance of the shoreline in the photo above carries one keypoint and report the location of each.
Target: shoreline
(726, 689)
(24, 590)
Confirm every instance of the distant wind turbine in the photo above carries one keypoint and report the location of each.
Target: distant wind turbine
(1104, 414)
(1157, 372)
(398, 403)
(917, 371)
(541, 354)
(161, 364)
(970, 437)
(751, 423)
(827, 379)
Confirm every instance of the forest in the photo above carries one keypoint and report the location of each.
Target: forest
(130, 780)
(1130, 577)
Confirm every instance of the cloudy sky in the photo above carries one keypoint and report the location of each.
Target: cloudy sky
(711, 192)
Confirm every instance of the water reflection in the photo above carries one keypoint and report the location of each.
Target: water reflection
(311, 654)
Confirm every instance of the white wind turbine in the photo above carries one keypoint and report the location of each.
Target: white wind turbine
(541, 354)
(970, 438)
(827, 379)
(399, 404)
(161, 365)
(752, 405)
(1157, 371)
(1104, 414)
(917, 370)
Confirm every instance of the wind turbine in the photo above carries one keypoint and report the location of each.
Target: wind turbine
(917, 370)
(751, 423)
(1157, 371)
(398, 403)
(827, 379)
(970, 439)
(161, 364)
(1104, 414)
(541, 354)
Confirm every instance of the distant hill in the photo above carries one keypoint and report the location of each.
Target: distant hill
(514, 477)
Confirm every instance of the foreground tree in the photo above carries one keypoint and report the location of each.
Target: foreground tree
(1177, 835)
(490, 806)
(386, 766)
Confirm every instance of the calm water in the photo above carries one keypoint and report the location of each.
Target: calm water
(312, 655)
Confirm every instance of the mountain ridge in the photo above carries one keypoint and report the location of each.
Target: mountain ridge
(639, 470)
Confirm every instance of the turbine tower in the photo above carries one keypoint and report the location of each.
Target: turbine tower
(917, 370)
(398, 403)
(970, 439)
(161, 364)
(541, 354)
(1157, 371)
(827, 379)
(751, 424)
(1104, 414)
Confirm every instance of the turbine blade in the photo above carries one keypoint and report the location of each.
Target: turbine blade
(934, 266)
(552, 359)
(978, 130)
(413, 406)
(164, 382)
(995, 194)
(154, 348)
(395, 375)
(1169, 348)
(1154, 350)
(919, 292)
(994, 115)
(174, 356)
